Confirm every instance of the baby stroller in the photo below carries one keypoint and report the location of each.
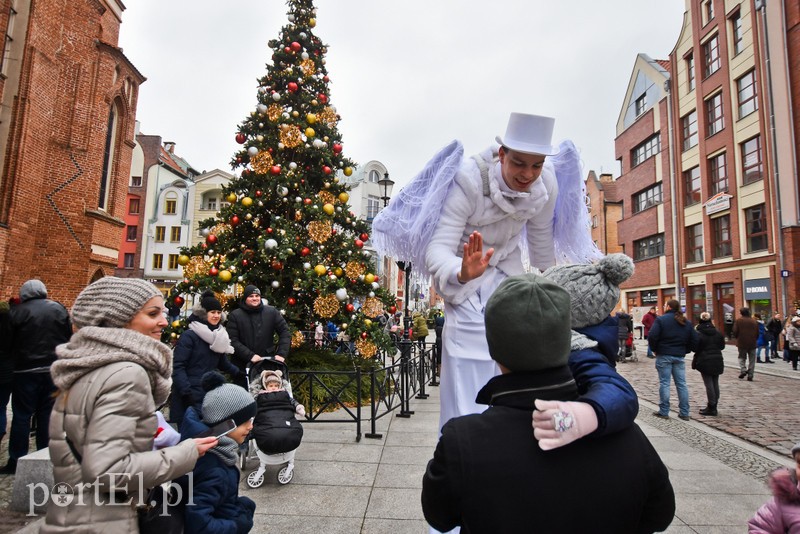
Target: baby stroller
(281, 451)
(630, 350)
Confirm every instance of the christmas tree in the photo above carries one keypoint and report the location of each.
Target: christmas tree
(287, 227)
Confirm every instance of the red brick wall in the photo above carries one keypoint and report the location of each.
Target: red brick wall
(55, 156)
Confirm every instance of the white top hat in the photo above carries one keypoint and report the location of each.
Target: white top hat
(530, 134)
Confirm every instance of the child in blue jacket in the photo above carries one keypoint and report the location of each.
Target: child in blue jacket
(216, 506)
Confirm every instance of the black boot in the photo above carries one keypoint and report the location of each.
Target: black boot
(711, 409)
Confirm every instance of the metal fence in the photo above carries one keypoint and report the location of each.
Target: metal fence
(405, 373)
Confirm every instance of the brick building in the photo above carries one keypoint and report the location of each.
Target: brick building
(69, 99)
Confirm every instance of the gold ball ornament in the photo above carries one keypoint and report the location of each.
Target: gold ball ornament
(366, 348)
(367, 322)
(183, 260)
(372, 307)
(326, 306)
(320, 231)
(311, 118)
(320, 270)
(369, 278)
(338, 271)
(328, 208)
(225, 276)
(247, 202)
(297, 339)
(310, 132)
(231, 198)
(274, 112)
(175, 324)
(312, 22)
(348, 171)
(261, 162)
(344, 197)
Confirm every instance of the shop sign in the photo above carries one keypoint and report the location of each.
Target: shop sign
(719, 202)
(650, 297)
(758, 289)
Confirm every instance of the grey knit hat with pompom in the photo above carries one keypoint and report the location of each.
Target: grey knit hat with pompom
(112, 302)
(593, 288)
(225, 401)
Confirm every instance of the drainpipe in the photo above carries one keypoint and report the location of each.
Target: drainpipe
(761, 6)
(675, 231)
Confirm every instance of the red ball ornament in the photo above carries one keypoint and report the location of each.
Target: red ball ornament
(213, 271)
(287, 49)
(203, 246)
(306, 201)
(211, 239)
(240, 138)
(337, 148)
(270, 230)
(245, 263)
(178, 301)
(239, 160)
(392, 309)
(275, 169)
(322, 98)
(296, 46)
(364, 236)
(305, 251)
(333, 231)
(326, 169)
(350, 308)
(235, 220)
(277, 265)
(326, 79)
(363, 335)
(359, 243)
(292, 301)
(292, 87)
(258, 194)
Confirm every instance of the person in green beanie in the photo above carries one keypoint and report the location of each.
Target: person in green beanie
(488, 474)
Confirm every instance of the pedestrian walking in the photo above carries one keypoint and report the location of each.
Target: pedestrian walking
(708, 360)
(774, 328)
(781, 514)
(647, 322)
(793, 341)
(624, 331)
(111, 376)
(745, 331)
(762, 343)
(36, 325)
(671, 338)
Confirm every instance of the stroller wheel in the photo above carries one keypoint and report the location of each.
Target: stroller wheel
(244, 454)
(285, 475)
(256, 478)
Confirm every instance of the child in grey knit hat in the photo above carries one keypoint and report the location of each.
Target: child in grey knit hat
(608, 403)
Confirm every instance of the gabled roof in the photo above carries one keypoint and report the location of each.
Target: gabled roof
(167, 159)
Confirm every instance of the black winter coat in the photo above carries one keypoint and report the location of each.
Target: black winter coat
(708, 355)
(489, 475)
(192, 359)
(275, 427)
(252, 331)
(37, 326)
(669, 338)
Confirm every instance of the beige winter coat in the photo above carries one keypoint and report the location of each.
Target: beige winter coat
(108, 415)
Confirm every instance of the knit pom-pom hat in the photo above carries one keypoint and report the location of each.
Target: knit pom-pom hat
(112, 302)
(225, 401)
(593, 288)
(271, 376)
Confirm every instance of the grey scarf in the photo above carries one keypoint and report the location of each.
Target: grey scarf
(92, 347)
(227, 450)
(579, 342)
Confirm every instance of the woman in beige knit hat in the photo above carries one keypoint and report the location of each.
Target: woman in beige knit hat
(112, 375)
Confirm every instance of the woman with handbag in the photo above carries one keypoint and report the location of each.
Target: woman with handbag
(793, 341)
(111, 376)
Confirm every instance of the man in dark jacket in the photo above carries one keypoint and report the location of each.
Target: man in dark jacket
(488, 474)
(37, 325)
(252, 328)
(774, 328)
(745, 330)
(647, 322)
(625, 328)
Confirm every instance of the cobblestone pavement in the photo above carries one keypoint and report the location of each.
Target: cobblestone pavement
(763, 412)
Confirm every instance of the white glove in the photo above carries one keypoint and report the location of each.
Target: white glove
(300, 410)
(557, 423)
(166, 436)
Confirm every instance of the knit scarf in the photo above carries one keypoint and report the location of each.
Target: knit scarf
(580, 342)
(218, 339)
(227, 450)
(93, 347)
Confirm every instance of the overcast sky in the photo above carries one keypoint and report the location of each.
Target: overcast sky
(407, 76)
